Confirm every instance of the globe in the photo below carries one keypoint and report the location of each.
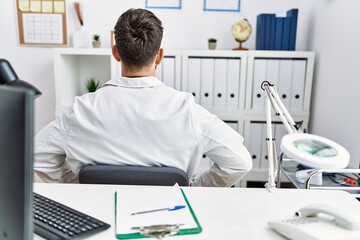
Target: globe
(241, 31)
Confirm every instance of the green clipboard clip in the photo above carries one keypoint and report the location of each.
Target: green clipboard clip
(159, 231)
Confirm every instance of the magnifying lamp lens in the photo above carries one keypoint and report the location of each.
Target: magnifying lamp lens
(315, 148)
(314, 151)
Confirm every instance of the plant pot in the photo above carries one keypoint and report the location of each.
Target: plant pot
(96, 44)
(212, 45)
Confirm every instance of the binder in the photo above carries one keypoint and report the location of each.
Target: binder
(232, 124)
(268, 30)
(264, 160)
(298, 85)
(260, 31)
(264, 163)
(285, 79)
(168, 71)
(272, 26)
(286, 34)
(233, 81)
(258, 95)
(207, 80)
(272, 73)
(255, 141)
(278, 33)
(193, 78)
(129, 201)
(220, 79)
(280, 131)
(293, 14)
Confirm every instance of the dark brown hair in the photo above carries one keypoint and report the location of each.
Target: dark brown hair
(138, 35)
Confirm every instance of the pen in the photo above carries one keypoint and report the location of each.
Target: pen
(161, 209)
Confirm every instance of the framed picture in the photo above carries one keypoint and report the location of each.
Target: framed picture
(163, 4)
(42, 23)
(222, 5)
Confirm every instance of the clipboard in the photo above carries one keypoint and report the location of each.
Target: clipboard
(128, 201)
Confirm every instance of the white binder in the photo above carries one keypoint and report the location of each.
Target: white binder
(193, 78)
(255, 141)
(264, 161)
(272, 71)
(220, 83)
(207, 81)
(280, 131)
(233, 125)
(298, 85)
(258, 95)
(285, 80)
(233, 80)
(168, 71)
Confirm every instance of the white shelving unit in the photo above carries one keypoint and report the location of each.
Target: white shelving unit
(227, 83)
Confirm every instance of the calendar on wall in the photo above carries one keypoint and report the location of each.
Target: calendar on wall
(42, 22)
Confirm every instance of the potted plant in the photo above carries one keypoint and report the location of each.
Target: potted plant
(96, 41)
(212, 43)
(92, 84)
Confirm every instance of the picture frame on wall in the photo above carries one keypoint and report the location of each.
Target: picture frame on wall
(163, 4)
(222, 5)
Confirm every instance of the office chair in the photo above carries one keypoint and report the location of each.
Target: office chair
(132, 175)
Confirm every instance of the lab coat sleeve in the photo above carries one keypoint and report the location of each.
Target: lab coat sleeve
(50, 152)
(223, 145)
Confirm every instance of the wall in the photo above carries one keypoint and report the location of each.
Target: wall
(335, 106)
(334, 112)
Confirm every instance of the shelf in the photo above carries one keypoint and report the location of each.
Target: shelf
(289, 169)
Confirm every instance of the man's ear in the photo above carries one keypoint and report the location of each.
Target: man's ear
(115, 53)
(159, 56)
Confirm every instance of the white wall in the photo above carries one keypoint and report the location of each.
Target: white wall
(336, 99)
(334, 110)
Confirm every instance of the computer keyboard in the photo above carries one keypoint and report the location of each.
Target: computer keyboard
(54, 220)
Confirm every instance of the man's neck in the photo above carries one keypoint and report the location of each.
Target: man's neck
(146, 72)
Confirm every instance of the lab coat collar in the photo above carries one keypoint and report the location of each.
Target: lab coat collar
(137, 82)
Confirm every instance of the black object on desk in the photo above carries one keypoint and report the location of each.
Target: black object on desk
(54, 220)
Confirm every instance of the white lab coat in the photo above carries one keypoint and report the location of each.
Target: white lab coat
(140, 121)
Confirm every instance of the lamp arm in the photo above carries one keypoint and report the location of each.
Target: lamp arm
(280, 108)
(270, 147)
(273, 100)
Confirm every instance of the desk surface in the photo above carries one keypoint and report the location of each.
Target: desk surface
(224, 213)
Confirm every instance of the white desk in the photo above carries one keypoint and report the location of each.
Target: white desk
(224, 213)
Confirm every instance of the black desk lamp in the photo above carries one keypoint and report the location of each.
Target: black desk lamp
(9, 77)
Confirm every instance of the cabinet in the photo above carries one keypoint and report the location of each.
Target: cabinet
(227, 83)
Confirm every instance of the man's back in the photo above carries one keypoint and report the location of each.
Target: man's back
(133, 121)
(137, 120)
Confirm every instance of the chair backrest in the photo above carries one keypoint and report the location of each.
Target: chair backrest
(132, 175)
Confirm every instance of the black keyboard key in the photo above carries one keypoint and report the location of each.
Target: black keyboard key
(54, 220)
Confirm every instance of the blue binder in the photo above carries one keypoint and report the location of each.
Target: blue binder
(260, 31)
(286, 34)
(272, 31)
(279, 33)
(293, 14)
(269, 31)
